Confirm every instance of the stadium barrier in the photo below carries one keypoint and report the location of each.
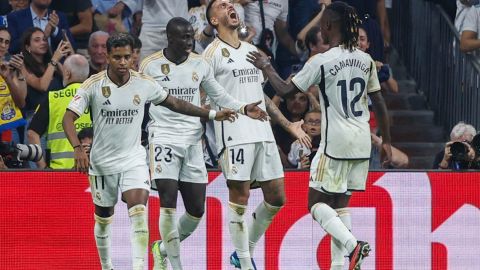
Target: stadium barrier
(429, 45)
(413, 220)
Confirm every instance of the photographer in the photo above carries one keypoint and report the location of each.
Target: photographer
(458, 153)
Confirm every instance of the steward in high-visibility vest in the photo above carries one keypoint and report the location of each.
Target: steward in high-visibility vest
(60, 150)
(48, 120)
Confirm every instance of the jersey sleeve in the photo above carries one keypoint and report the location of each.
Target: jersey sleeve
(308, 76)
(216, 92)
(284, 15)
(471, 21)
(80, 102)
(373, 84)
(158, 95)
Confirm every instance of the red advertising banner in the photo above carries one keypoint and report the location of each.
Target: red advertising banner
(413, 220)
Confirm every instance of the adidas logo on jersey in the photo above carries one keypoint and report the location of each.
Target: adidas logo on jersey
(230, 60)
(107, 102)
(229, 138)
(166, 79)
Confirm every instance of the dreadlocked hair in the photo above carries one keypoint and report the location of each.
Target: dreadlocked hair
(349, 23)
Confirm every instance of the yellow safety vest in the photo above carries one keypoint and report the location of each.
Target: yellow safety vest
(61, 152)
(10, 115)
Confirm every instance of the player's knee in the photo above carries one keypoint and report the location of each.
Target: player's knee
(197, 211)
(103, 221)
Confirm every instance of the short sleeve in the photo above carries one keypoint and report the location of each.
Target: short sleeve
(80, 102)
(373, 83)
(158, 95)
(308, 76)
(471, 20)
(284, 15)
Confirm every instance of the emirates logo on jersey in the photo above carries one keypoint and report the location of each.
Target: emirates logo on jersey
(225, 52)
(194, 77)
(136, 100)
(165, 69)
(106, 92)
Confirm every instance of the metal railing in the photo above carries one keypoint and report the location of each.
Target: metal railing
(428, 43)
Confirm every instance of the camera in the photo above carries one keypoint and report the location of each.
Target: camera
(15, 154)
(459, 151)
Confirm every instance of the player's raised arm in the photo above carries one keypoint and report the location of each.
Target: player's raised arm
(280, 86)
(183, 107)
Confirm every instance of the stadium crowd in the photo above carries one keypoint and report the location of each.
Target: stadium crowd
(37, 36)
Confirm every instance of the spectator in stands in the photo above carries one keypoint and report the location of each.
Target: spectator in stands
(13, 91)
(301, 156)
(383, 70)
(48, 119)
(399, 159)
(85, 136)
(80, 19)
(114, 15)
(463, 133)
(18, 4)
(97, 50)
(38, 15)
(156, 14)
(137, 48)
(271, 24)
(42, 71)
(462, 9)
(470, 40)
(314, 42)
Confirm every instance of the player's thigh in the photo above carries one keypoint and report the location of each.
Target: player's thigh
(267, 164)
(193, 168)
(357, 177)
(104, 189)
(237, 162)
(135, 185)
(165, 161)
(329, 175)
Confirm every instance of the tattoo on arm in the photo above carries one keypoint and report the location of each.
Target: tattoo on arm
(275, 114)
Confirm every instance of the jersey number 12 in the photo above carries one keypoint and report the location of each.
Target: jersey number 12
(344, 95)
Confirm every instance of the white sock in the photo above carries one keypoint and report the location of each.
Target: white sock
(239, 233)
(331, 223)
(187, 224)
(170, 238)
(102, 238)
(139, 234)
(262, 217)
(338, 251)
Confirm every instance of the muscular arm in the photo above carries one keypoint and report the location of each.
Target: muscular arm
(183, 107)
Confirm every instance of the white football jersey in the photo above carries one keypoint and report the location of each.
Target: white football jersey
(117, 114)
(243, 81)
(183, 81)
(157, 13)
(344, 78)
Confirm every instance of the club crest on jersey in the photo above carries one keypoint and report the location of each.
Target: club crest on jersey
(136, 100)
(158, 169)
(225, 52)
(194, 77)
(165, 69)
(106, 91)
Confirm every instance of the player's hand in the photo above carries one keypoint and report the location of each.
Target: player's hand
(253, 111)
(386, 155)
(295, 129)
(226, 114)
(81, 160)
(258, 59)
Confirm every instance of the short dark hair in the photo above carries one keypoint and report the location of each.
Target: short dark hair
(207, 12)
(119, 40)
(85, 133)
(174, 22)
(137, 43)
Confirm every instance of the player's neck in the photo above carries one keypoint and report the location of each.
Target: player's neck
(229, 36)
(335, 41)
(175, 56)
(118, 79)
